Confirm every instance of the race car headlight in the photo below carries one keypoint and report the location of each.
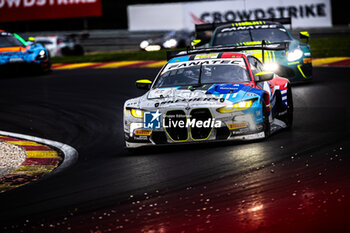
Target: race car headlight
(137, 113)
(41, 55)
(170, 43)
(240, 106)
(271, 67)
(144, 44)
(295, 55)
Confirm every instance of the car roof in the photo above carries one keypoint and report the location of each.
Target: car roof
(209, 55)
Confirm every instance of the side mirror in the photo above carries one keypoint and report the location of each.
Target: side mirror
(304, 35)
(196, 42)
(31, 39)
(264, 76)
(143, 84)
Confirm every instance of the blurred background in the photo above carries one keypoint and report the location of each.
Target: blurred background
(109, 25)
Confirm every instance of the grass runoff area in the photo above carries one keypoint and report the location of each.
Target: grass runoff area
(337, 46)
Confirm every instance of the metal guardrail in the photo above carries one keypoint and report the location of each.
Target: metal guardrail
(114, 40)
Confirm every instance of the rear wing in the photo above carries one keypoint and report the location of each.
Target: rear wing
(212, 26)
(263, 46)
(205, 31)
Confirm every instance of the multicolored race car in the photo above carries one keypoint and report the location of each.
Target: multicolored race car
(209, 95)
(16, 54)
(293, 63)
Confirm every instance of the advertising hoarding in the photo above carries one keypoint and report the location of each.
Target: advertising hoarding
(22, 10)
(177, 16)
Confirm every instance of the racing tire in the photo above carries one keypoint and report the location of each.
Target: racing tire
(266, 122)
(288, 117)
(290, 108)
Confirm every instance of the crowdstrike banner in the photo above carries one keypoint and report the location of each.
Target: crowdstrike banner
(20, 10)
(178, 16)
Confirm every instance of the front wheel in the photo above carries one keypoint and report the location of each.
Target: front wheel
(290, 108)
(266, 122)
(285, 112)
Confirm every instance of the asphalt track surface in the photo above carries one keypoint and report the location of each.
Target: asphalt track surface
(296, 181)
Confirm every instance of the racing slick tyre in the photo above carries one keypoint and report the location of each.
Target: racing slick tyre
(287, 111)
(266, 122)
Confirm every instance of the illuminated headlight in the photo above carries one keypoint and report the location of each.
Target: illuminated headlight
(42, 54)
(270, 67)
(295, 55)
(150, 48)
(137, 113)
(240, 106)
(144, 44)
(170, 43)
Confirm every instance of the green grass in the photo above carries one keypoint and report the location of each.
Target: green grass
(113, 56)
(338, 46)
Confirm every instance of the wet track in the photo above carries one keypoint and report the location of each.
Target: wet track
(296, 181)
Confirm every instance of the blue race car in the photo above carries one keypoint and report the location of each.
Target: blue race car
(16, 54)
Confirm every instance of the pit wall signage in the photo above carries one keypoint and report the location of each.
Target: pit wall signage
(183, 16)
(22, 10)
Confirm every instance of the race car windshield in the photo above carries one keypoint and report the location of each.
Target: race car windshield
(9, 41)
(241, 36)
(192, 76)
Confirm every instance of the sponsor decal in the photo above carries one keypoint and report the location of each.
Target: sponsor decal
(191, 123)
(251, 27)
(206, 56)
(226, 61)
(152, 120)
(142, 132)
(183, 100)
(238, 125)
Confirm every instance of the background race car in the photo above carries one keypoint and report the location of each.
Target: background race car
(228, 93)
(18, 55)
(293, 63)
(170, 40)
(61, 45)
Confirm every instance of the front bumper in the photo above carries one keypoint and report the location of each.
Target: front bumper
(296, 72)
(240, 127)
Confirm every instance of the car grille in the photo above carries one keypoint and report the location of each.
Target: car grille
(176, 133)
(200, 133)
(159, 137)
(222, 133)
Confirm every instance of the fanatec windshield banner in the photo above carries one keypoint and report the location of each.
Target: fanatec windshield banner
(179, 16)
(21, 10)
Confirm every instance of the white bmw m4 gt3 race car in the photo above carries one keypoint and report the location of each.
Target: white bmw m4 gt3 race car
(208, 95)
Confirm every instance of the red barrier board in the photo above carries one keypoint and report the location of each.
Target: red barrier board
(22, 10)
